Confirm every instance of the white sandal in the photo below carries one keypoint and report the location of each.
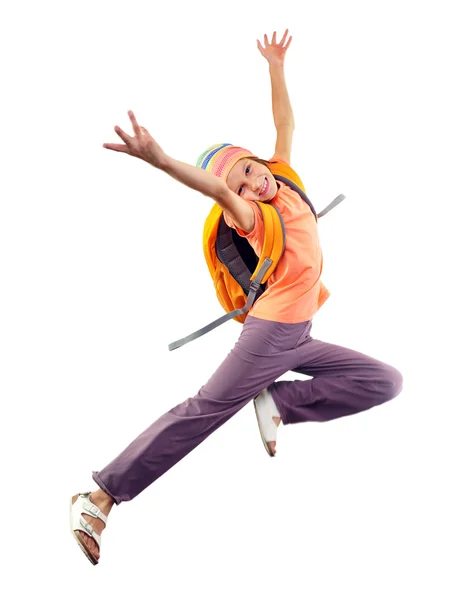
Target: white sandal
(83, 504)
(266, 409)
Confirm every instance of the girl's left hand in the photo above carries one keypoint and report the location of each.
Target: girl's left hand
(274, 53)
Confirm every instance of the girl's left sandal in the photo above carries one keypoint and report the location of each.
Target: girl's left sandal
(81, 504)
(266, 409)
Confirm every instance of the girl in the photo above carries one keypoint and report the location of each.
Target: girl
(275, 337)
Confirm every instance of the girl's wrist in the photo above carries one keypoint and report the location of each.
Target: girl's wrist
(162, 163)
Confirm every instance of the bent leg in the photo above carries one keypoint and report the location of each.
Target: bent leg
(344, 382)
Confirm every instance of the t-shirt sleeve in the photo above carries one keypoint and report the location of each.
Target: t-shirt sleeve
(279, 159)
(258, 223)
(282, 160)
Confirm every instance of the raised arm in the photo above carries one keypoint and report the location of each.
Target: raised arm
(283, 117)
(144, 146)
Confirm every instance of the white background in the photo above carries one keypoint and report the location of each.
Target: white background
(102, 266)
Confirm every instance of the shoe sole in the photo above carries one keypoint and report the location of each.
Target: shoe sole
(269, 452)
(78, 538)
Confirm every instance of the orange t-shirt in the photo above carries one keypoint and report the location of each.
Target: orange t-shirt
(294, 292)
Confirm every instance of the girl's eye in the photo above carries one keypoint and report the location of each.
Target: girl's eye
(246, 173)
(248, 168)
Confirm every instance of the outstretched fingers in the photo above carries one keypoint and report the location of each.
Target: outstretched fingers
(117, 147)
(136, 128)
(281, 43)
(283, 40)
(122, 134)
(274, 43)
(120, 147)
(141, 145)
(127, 139)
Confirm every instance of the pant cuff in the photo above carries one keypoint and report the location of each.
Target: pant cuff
(103, 487)
(274, 394)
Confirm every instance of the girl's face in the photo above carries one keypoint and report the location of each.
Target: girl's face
(252, 181)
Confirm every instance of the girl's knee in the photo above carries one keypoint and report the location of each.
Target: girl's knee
(394, 382)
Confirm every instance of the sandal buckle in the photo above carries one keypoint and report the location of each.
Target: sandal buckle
(91, 508)
(89, 528)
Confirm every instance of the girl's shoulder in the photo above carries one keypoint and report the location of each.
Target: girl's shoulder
(279, 166)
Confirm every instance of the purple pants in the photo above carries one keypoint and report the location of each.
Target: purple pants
(343, 382)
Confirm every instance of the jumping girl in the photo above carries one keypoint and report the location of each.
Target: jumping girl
(275, 337)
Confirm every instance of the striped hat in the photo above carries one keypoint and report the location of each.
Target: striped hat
(220, 158)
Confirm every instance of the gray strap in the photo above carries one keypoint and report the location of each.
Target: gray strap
(235, 313)
(335, 202)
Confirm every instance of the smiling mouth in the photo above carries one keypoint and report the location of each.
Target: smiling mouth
(265, 187)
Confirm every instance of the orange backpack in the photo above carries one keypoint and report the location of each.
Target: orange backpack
(239, 276)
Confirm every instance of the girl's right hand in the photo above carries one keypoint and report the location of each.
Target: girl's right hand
(142, 145)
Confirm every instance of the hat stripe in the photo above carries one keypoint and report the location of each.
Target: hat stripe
(220, 159)
(211, 154)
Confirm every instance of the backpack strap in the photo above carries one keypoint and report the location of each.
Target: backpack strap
(272, 250)
(274, 240)
(235, 313)
(296, 188)
(287, 175)
(334, 203)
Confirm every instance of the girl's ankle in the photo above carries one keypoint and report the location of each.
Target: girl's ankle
(101, 499)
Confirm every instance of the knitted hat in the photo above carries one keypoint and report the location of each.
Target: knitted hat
(220, 158)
